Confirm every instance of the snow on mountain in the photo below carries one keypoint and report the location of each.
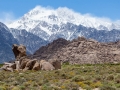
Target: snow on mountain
(50, 24)
(59, 16)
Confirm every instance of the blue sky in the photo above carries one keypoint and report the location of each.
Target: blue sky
(100, 8)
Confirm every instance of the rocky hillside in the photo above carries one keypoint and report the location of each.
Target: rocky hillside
(48, 51)
(80, 51)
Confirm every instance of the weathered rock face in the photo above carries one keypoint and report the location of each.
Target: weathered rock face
(46, 52)
(23, 63)
(81, 50)
(19, 51)
(88, 51)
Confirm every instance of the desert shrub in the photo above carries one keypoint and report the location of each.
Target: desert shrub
(55, 87)
(81, 84)
(66, 63)
(117, 70)
(1, 65)
(110, 77)
(15, 88)
(69, 86)
(40, 82)
(78, 78)
(107, 87)
(87, 82)
(3, 88)
(117, 78)
(45, 87)
(117, 85)
(96, 84)
(22, 87)
(98, 78)
(15, 83)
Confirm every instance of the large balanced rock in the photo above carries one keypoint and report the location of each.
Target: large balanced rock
(19, 51)
(23, 63)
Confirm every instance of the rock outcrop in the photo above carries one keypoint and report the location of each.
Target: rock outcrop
(80, 51)
(19, 51)
(22, 62)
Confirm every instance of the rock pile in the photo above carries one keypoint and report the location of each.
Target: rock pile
(22, 62)
(80, 51)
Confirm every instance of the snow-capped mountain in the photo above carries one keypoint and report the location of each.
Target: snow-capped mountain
(60, 16)
(50, 21)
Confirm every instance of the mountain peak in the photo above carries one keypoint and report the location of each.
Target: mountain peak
(40, 10)
(61, 15)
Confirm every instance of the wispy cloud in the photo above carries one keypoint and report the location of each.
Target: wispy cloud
(7, 17)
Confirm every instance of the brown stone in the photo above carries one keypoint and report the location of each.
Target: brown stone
(30, 64)
(36, 66)
(44, 65)
(19, 51)
(55, 63)
(23, 63)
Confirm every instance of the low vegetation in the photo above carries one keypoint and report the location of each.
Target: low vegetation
(70, 77)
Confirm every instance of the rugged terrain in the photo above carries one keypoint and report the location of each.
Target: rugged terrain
(80, 51)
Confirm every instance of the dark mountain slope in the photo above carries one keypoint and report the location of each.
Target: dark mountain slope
(6, 42)
(31, 41)
(49, 50)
